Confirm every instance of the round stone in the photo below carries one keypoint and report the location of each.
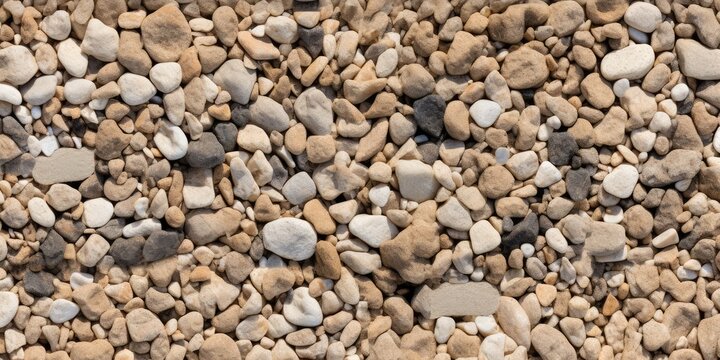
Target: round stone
(290, 238)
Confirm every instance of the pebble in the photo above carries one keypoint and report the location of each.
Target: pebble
(416, 180)
(314, 110)
(63, 310)
(19, 65)
(483, 237)
(290, 238)
(372, 229)
(621, 181)
(301, 309)
(472, 298)
(643, 16)
(100, 41)
(485, 112)
(547, 174)
(631, 62)
(233, 77)
(97, 212)
(135, 89)
(171, 141)
(41, 213)
(166, 76)
(9, 308)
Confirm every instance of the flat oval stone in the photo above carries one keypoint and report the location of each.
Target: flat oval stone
(65, 165)
(290, 238)
(631, 62)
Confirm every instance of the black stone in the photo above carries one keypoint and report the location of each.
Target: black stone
(561, 148)
(429, 113)
(53, 249)
(578, 184)
(523, 232)
(312, 39)
(226, 134)
(161, 244)
(39, 283)
(205, 152)
(127, 252)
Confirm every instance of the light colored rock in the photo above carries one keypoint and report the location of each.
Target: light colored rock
(100, 41)
(314, 110)
(198, 190)
(643, 16)
(40, 90)
(621, 181)
(547, 175)
(97, 212)
(9, 304)
(416, 180)
(10, 94)
(631, 62)
(135, 89)
(65, 165)
(171, 141)
(605, 239)
(483, 237)
(281, 29)
(301, 309)
(523, 165)
(79, 91)
(372, 229)
(666, 238)
(485, 112)
(697, 61)
(454, 215)
(166, 76)
(40, 212)
(236, 79)
(93, 250)
(472, 298)
(299, 188)
(71, 57)
(57, 26)
(252, 138)
(143, 325)
(18, 64)
(62, 310)
(290, 238)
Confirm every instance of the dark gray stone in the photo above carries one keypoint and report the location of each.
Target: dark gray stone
(39, 283)
(561, 148)
(205, 152)
(226, 134)
(429, 113)
(161, 244)
(127, 252)
(578, 184)
(53, 249)
(523, 232)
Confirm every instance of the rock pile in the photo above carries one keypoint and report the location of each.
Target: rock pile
(500, 180)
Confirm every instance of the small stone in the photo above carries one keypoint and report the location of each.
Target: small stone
(454, 215)
(39, 283)
(290, 238)
(621, 181)
(551, 343)
(19, 65)
(372, 229)
(483, 237)
(697, 61)
(97, 212)
(79, 91)
(525, 68)
(268, 114)
(111, 140)
(416, 180)
(135, 89)
(485, 112)
(561, 148)
(171, 141)
(605, 239)
(299, 189)
(62, 197)
(218, 347)
(643, 16)
(473, 298)
(143, 325)
(166, 76)
(233, 77)
(63, 310)
(301, 309)
(547, 175)
(314, 110)
(57, 25)
(8, 307)
(160, 245)
(631, 62)
(428, 113)
(281, 29)
(100, 41)
(205, 152)
(666, 238)
(198, 190)
(93, 250)
(95, 350)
